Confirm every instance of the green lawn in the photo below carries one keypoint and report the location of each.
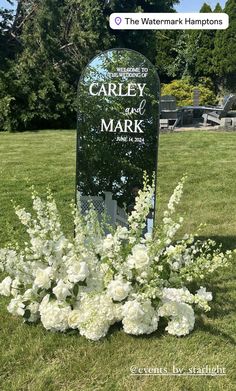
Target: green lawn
(33, 359)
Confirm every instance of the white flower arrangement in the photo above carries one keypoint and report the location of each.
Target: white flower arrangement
(97, 279)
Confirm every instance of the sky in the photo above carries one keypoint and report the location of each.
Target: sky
(195, 5)
(184, 6)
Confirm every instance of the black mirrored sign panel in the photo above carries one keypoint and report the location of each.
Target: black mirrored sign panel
(118, 121)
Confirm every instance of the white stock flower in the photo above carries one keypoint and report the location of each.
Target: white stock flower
(77, 271)
(42, 278)
(5, 286)
(118, 289)
(60, 244)
(108, 242)
(54, 316)
(23, 216)
(181, 317)
(139, 318)
(122, 232)
(62, 290)
(139, 258)
(204, 294)
(202, 298)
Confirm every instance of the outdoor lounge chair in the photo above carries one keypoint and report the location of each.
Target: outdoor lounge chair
(169, 112)
(216, 113)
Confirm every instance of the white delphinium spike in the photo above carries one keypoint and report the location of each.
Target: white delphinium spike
(138, 217)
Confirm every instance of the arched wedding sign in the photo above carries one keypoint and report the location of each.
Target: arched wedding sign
(118, 128)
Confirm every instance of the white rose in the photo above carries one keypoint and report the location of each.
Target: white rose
(15, 286)
(16, 307)
(34, 311)
(139, 258)
(30, 294)
(73, 319)
(118, 289)
(62, 290)
(78, 271)
(5, 286)
(42, 278)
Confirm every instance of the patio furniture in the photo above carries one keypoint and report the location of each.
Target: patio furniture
(215, 114)
(169, 112)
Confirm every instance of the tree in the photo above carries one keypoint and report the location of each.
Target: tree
(53, 41)
(166, 43)
(199, 52)
(145, 42)
(225, 50)
(57, 39)
(6, 49)
(218, 8)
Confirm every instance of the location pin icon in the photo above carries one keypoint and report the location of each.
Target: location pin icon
(118, 20)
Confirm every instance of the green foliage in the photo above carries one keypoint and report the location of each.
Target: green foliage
(218, 8)
(168, 43)
(183, 91)
(145, 42)
(53, 41)
(6, 46)
(225, 50)
(46, 43)
(194, 52)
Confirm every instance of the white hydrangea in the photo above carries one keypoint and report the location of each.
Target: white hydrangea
(118, 289)
(181, 316)
(139, 317)
(5, 286)
(77, 271)
(54, 316)
(180, 295)
(139, 258)
(43, 278)
(97, 314)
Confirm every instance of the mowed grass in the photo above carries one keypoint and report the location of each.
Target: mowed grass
(36, 360)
